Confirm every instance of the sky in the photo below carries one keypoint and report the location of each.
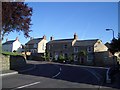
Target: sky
(62, 19)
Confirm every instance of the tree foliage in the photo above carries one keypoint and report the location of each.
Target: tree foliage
(61, 58)
(114, 46)
(16, 16)
(82, 53)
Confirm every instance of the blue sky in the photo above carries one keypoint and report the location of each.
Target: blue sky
(62, 19)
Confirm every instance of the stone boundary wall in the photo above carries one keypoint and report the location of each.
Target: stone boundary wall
(5, 63)
(12, 62)
(103, 59)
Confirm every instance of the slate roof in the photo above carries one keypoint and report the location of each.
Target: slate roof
(85, 42)
(8, 42)
(107, 45)
(61, 41)
(33, 41)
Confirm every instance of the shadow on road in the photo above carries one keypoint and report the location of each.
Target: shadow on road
(69, 73)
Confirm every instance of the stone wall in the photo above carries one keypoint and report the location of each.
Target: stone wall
(17, 62)
(4, 63)
(103, 59)
(12, 62)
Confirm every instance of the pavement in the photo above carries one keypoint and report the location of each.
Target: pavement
(8, 72)
(28, 67)
(115, 82)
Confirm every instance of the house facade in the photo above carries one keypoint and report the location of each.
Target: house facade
(62, 47)
(12, 45)
(36, 45)
(89, 48)
(82, 51)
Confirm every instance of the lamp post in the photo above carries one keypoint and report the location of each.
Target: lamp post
(112, 31)
(113, 39)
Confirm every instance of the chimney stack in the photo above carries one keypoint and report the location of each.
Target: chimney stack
(44, 37)
(31, 38)
(17, 38)
(51, 38)
(6, 39)
(75, 36)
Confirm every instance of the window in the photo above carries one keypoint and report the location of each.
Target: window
(76, 49)
(43, 47)
(89, 49)
(65, 46)
(49, 47)
(90, 58)
(35, 45)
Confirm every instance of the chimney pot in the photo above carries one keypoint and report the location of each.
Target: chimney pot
(17, 38)
(75, 36)
(51, 38)
(44, 37)
(6, 39)
(31, 38)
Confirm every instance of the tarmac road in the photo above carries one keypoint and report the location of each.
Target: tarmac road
(51, 75)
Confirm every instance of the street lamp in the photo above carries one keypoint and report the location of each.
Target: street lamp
(112, 31)
(113, 39)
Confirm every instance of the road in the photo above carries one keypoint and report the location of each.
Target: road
(53, 75)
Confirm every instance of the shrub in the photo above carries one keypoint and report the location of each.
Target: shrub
(61, 58)
(12, 53)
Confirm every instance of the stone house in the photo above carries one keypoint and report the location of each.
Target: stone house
(12, 45)
(72, 47)
(61, 47)
(36, 45)
(90, 47)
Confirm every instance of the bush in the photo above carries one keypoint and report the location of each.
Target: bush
(61, 58)
(12, 53)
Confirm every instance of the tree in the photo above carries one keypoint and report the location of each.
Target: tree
(47, 56)
(16, 16)
(114, 46)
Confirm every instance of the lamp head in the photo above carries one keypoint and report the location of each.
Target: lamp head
(108, 29)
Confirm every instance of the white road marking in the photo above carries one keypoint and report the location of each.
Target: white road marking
(25, 86)
(6, 74)
(57, 73)
(60, 69)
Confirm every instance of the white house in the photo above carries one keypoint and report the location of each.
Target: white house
(12, 45)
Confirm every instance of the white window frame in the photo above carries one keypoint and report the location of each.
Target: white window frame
(43, 46)
(65, 46)
(35, 45)
(89, 49)
(49, 47)
(89, 58)
(75, 49)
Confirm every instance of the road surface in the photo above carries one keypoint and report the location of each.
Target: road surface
(53, 75)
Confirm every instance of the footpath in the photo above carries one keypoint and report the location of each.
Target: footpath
(16, 71)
